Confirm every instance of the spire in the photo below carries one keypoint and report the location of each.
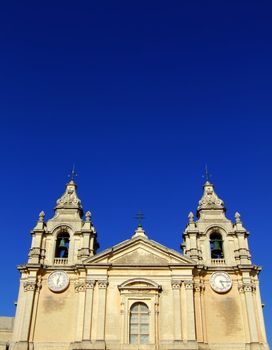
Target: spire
(69, 200)
(210, 200)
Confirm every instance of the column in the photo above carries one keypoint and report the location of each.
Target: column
(102, 289)
(189, 285)
(88, 310)
(176, 284)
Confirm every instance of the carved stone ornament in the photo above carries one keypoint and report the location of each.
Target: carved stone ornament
(80, 286)
(69, 198)
(41, 216)
(31, 286)
(210, 200)
(176, 284)
(191, 218)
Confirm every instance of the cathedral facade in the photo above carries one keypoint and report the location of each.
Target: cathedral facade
(138, 294)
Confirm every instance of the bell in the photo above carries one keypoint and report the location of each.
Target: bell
(216, 249)
(62, 243)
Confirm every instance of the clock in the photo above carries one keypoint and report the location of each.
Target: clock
(58, 281)
(220, 282)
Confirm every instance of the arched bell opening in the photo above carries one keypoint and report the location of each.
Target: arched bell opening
(62, 245)
(216, 245)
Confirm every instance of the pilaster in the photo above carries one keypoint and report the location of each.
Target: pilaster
(190, 313)
(199, 311)
(176, 285)
(247, 289)
(102, 293)
(88, 310)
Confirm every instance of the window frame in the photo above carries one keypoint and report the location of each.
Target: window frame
(139, 291)
(137, 311)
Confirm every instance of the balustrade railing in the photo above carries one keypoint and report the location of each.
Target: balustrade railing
(218, 262)
(60, 261)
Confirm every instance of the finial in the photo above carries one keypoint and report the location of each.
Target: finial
(139, 216)
(207, 175)
(41, 216)
(237, 218)
(73, 173)
(191, 218)
(88, 216)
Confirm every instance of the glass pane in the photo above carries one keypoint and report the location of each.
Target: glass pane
(134, 307)
(133, 339)
(143, 307)
(144, 329)
(144, 318)
(134, 329)
(144, 339)
(134, 318)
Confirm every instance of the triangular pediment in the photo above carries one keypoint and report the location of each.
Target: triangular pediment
(139, 251)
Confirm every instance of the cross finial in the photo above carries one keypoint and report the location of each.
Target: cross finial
(139, 216)
(207, 174)
(73, 173)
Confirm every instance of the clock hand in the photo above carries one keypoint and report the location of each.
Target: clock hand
(222, 282)
(58, 280)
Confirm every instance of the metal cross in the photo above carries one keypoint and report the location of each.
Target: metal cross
(139, 216)
(73, 173)
(207, 174)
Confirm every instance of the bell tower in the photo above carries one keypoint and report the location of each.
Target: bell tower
(226, 281)
(66, 238)
(213, 239)
(58, 249)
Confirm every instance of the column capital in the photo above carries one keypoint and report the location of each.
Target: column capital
(176, 284)
(31, 286)
(246, 287)
(80, 286)
(199, 286)
(189, 284)
(90, 284)
(102, 284)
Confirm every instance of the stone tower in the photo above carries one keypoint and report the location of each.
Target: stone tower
(226, 281)
(61, 243)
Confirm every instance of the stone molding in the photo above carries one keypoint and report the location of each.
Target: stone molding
(36, 252)
(84, 253)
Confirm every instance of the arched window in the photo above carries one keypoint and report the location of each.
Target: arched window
(216, 244)
(139, 324)
(62, 245)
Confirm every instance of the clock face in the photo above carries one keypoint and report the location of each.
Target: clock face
(58, 281)
(220, 282)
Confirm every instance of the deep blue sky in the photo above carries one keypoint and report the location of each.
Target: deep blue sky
(139, 95)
